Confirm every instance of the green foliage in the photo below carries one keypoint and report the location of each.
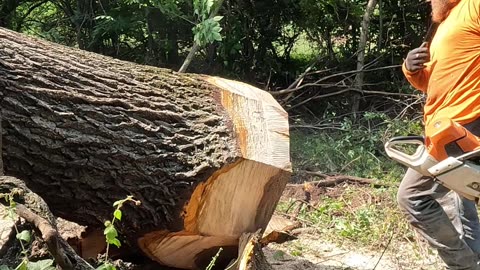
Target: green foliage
(41, 265)
(202, 8)
(106, 266)
(24, 237)
(208, 31)
(353, 149)
(354, 215)
(111, 233)
(297, 250)
(169, 7)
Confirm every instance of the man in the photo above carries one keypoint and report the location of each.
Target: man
(448, 71)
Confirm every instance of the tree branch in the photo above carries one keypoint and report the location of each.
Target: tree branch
(287, 91)
(332, 180)
(49, 235)
(349, 89)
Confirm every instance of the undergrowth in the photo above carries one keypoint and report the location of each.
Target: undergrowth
(353, 214)
(353, 148)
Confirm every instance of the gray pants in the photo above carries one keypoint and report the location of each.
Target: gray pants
(456, 238)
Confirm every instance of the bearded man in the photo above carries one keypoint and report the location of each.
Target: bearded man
(448, 71)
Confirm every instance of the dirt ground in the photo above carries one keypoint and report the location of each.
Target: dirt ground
(312, 251)
(317, 254)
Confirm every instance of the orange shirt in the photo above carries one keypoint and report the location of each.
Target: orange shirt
(451, 79)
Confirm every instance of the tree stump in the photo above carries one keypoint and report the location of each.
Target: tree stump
(207, 157)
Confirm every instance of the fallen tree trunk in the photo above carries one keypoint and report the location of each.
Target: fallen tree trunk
(207, 157)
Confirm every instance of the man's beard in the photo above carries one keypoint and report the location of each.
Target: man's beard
(441, 9)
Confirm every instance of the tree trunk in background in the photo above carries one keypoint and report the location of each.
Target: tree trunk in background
(362, 44)
(380, 26)
(208, 157)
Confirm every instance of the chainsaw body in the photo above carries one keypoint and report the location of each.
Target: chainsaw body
(459, 173)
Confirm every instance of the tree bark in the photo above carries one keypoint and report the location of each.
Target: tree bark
(207, 157)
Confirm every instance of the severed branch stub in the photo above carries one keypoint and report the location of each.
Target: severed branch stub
(34, 210)
(250, 254)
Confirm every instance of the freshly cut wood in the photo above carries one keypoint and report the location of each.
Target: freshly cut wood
(279, 230)
(207, 157)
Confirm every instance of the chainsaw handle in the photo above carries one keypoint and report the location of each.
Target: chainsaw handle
(410, 139)
(414, 160)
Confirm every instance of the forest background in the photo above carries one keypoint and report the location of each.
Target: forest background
(334, 65)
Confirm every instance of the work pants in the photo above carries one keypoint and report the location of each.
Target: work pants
(456, 236)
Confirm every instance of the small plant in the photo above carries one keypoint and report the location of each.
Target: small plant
(297, 250)
(111, 232)
(24, 237)
(214, 259)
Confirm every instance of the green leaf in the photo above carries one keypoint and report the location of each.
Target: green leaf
(101, 267)
(217, 37)
(105, 17)
(117, 202)
(209, 4)
(4, 267)
(24, 236)
(118, 214)
(11, 213)
(107, 223)
(106, 266)
(115, 242)
(41, 265)
(217, 18)
(110, 233)
(22, 266)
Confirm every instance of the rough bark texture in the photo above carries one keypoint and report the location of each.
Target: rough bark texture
(207, 157)
(76, 122)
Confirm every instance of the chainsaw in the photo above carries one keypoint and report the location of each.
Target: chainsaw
(459, 173)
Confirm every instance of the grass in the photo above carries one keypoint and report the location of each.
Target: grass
(352, 214)
(355, 215)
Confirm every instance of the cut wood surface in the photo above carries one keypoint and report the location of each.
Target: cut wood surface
(207, 157)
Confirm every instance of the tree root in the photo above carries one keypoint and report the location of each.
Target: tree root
(35, 211)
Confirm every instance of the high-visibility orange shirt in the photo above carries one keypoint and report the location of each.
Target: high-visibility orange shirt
(451, 79)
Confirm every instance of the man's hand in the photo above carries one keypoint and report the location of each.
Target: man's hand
(416, 58)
